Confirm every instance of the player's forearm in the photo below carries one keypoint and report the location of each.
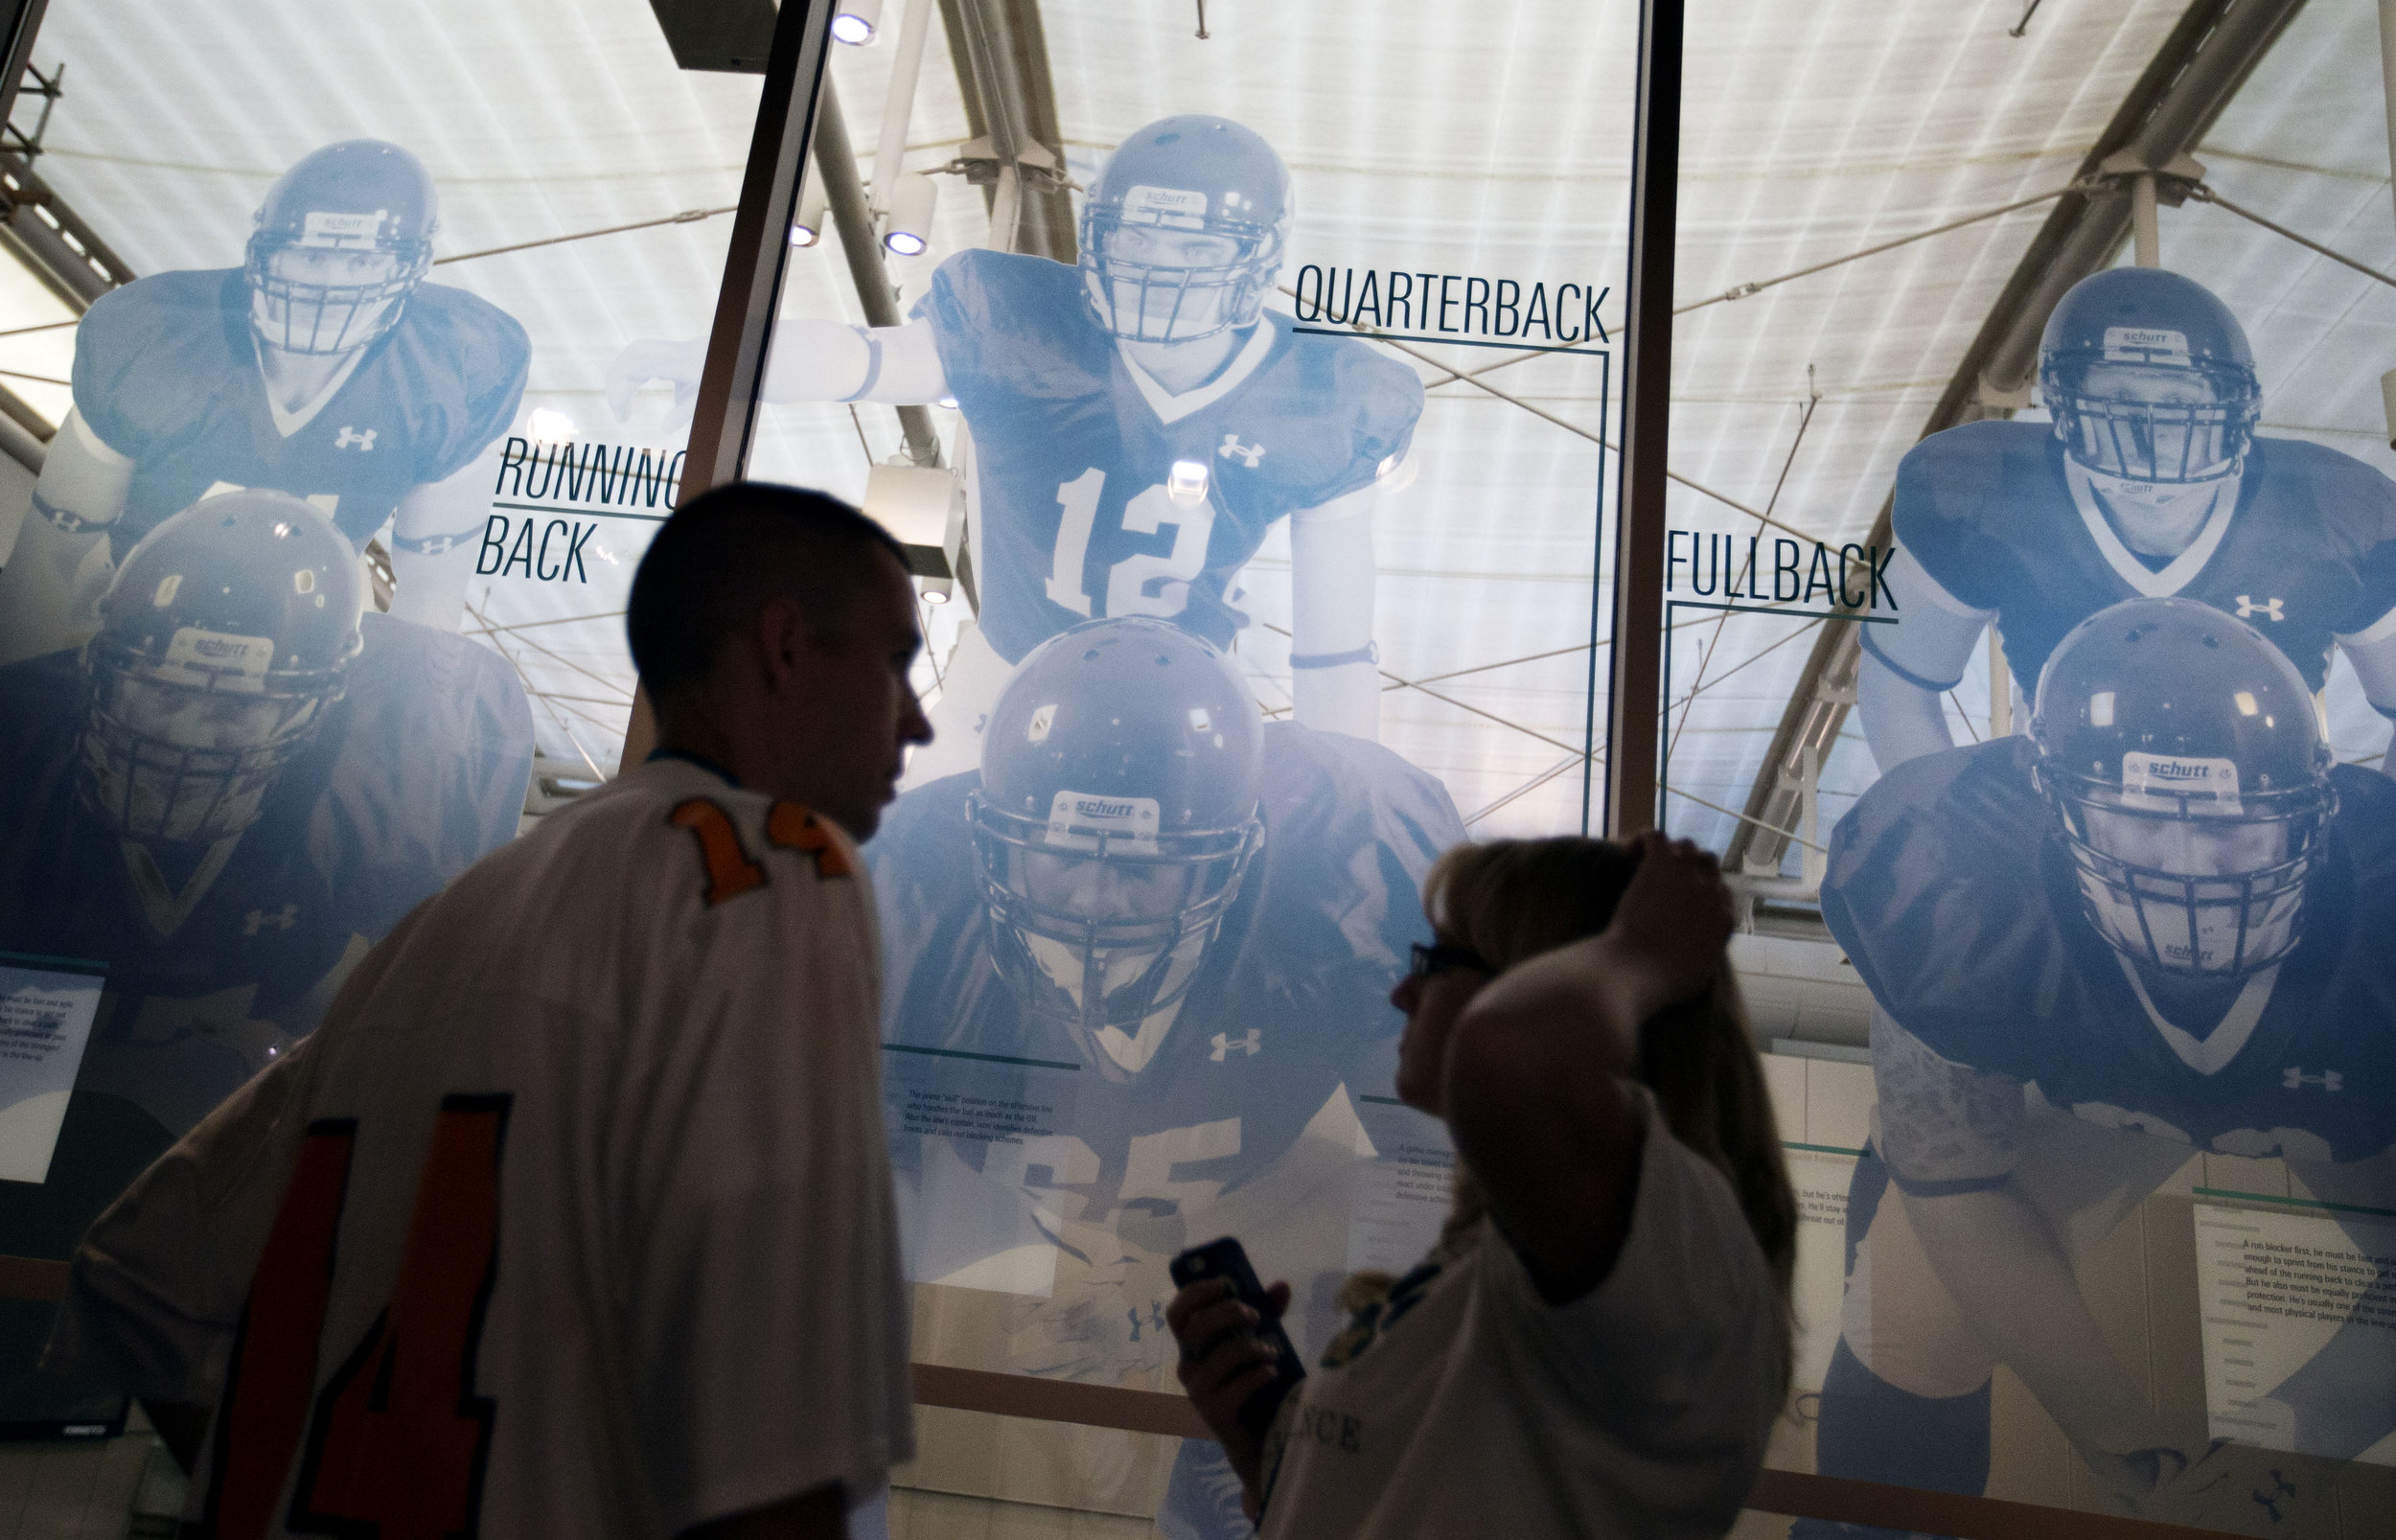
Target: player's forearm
(1537, 1102)
(2009, 1278)
(1336, 679)
(1901, 720)
(828, 360)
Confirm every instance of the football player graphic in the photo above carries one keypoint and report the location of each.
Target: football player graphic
(1138, 424)
(1154, 930)
(2150, 482)
(324, 366)
(235, 788)
(2189, 954)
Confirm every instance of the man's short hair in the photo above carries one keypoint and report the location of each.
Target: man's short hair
(729, 551)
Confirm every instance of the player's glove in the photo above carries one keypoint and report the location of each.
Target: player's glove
(657, 358)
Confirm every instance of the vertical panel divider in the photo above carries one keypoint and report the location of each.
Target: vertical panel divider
(729, 382)
(725, 414)
(1634, 702)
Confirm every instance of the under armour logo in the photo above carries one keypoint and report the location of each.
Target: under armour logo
(1247, 454)
(2270, 1500)
(1155, 1323)
(2294, 1078)
(1251, 1047)
(283, 919)
(2248, 609)
(365, 442)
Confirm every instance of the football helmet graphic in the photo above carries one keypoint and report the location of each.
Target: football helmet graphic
(1117, 817)
(2185, 763)
(222, 645)
(2149, 377)
(342, 239)
(1184, 234)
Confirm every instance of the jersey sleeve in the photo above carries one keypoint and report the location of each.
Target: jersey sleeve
(1943, 485)
(1368, 405)
(1350, 832)
(117, 354)
(1014, 332)
(766, 1328)
(432, 776)
(2360, 505)
(470, 360)
(155, 1290)
(1674, 1359)
(1934, 889)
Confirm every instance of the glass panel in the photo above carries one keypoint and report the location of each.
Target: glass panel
(1280, 390)
(2063, 951)
(341, 289)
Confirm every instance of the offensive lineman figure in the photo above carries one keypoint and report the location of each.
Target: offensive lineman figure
(1138, 424)
(2152, 482)
(2194, 960)
(324, 367)
(226, 796)
(1202, 911)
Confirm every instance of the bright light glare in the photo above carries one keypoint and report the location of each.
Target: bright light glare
(803, 236)
(549, 423)
(906, 242)
(852, 29)
(1187, 482)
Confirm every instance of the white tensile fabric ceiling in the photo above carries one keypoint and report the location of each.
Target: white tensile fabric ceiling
(1493, 139)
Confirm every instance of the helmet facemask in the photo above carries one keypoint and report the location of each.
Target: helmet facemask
(324, 299)
(1140, 297)
(1105, 930)
(2171, 426)
(2193, 880)
(174, 754)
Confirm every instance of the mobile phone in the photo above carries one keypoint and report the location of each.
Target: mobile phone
(1227, 1258)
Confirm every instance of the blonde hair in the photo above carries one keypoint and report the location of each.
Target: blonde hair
(1510, 900)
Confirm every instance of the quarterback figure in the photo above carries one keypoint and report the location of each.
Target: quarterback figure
(1138, 424)
(2152, 483)
(1163, 928)
(324, 367)
(2192, 956)
(236, 788)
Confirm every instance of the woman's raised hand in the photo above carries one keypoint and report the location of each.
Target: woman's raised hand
(1675, 917)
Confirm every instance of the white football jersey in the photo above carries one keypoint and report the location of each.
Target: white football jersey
(573, 1218)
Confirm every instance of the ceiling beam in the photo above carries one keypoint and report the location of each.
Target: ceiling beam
(1001, 52)
(2193, 75)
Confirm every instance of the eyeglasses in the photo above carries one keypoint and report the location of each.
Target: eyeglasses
(1439, 958)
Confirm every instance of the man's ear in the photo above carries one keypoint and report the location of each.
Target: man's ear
(784, 642)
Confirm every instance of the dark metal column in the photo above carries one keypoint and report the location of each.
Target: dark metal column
(761, 244)
(1635, 701)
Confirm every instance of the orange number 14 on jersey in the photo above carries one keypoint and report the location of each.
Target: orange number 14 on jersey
(396, 1443)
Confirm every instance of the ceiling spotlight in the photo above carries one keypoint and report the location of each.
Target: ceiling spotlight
(1187, 481)
(935, 590)
(856, 22)
(807, 225)
(913, 197)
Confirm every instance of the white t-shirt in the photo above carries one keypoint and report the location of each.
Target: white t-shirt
(584, 1178)
(1464, 1405)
